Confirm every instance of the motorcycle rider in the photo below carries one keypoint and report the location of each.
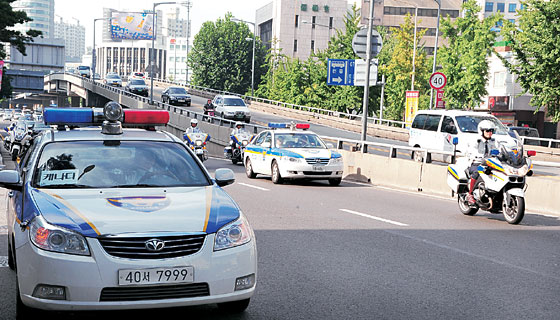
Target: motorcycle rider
(193, 128)
(478, 151)
(239, 128)
(207, 106)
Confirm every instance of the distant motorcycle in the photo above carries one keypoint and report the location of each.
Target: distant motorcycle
(235, 151)
(209, 110)
(21, 140)
(500, 187)
(197, 142)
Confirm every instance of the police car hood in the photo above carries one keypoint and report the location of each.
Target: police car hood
(314, 153)
(97, 212)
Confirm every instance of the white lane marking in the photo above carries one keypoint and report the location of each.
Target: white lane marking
(375, 218)
(252, 186)
(3, 261)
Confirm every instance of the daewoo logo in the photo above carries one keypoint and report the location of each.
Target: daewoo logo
(154, 245)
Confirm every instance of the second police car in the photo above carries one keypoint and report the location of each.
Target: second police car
(110, 218)
(291, 151)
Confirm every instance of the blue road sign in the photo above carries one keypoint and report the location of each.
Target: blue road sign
(340, 72)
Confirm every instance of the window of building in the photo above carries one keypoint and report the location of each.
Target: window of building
(315, 8)
(303, 7)
(313, 21)
(296, 21)
(489, 7)
(295, 45)
(326, 9)
(499, 79)
(184, 47)
(312, 45)
(331, 20)
(512, 7)
(500, 7)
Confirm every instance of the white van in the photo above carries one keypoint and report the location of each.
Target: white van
(435, 130)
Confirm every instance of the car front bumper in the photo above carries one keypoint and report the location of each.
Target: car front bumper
(84, 277)
(291, 170)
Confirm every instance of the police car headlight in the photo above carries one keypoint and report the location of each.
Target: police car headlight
(336, 160)
(292, 159)
(232, 235)
(53, 238)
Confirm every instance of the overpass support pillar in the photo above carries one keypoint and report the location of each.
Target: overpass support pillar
(75, 101)
(62, 100)
(95, 100)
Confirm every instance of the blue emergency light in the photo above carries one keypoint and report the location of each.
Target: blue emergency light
(276, 125)
(64, 116)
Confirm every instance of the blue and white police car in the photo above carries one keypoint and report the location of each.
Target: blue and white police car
(103, 218)
(291, 151)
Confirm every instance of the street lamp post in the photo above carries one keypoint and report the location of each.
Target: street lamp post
(253, 59)
(152, 55)
(435, 50)
(93, 51)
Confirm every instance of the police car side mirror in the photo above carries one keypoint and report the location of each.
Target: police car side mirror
(10, 179)
(224, 177)
(330, 146)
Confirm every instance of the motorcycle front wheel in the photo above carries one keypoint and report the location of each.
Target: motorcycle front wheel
(464, 205)
(515, 210)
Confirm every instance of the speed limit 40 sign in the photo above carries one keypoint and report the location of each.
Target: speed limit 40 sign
(438, 80)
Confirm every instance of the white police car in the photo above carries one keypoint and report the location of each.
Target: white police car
(284, 152)
(106, 218)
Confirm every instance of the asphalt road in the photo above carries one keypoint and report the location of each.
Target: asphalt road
(364, 252)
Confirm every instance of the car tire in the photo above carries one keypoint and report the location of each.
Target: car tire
(222, 115)
(188, 104)
(276, 178)
(335, 181)
(11, 257)
(249, 169)
(234, 306)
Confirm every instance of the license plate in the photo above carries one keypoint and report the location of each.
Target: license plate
(129, 277)
(181, 100)
(318, 168)
(199, 151)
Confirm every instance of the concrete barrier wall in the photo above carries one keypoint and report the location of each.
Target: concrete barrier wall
(431, 179)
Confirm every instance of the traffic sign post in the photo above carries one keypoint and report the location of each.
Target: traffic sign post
(341, 72)
(359, 43)
(438, 80)
(440, 104)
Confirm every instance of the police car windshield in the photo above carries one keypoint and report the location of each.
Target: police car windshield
(114, 164)
(470, 124)
(298, 140)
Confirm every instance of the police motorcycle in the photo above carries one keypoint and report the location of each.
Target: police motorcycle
(21, 139)
(9, 136)
(240, 138)
(197, 142)
(501, 186)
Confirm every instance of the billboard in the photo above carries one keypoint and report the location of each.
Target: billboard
(411, 106)
(132, 26)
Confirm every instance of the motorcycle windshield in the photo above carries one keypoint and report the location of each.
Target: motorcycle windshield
(240, 137)
(512, 155)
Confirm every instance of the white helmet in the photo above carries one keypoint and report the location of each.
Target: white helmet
(195, 122)
(237, 124)
(486, 125)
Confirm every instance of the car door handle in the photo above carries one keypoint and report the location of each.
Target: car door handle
(11, 194)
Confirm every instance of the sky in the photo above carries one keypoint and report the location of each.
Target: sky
(201, 11)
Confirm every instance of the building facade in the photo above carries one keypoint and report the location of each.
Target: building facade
(127, 56)
(42, 13)
(178, 44)
(74, 36)
(391, 13)
(299, 28)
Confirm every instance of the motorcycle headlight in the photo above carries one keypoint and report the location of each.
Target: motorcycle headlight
(53, 238)
(523, 170)
(511, 171)
(232, 235)
(198, 142)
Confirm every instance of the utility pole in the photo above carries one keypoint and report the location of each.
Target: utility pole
(189, 5)
(366, 87)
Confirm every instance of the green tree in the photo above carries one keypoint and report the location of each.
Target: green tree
(464, 58)
(535, 43)
(8, 19)
(397, 66)
(221, 57)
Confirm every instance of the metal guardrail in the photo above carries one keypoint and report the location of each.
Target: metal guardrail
(332, 113)
(549, 142)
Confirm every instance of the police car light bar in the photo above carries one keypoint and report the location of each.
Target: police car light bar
(303, 126)
(275, 125)
(85, 116)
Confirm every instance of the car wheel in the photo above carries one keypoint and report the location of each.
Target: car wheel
(335, 181)
(11, 257)
(249, 169)
(248, 120)
(234, 306)
(14, 155)
(276, 178)
(222, 115)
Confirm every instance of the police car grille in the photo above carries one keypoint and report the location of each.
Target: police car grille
(317, 160)
(135, 247)
(180, 291)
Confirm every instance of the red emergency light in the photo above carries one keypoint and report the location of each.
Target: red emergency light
(303, 126)
(131, 116)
